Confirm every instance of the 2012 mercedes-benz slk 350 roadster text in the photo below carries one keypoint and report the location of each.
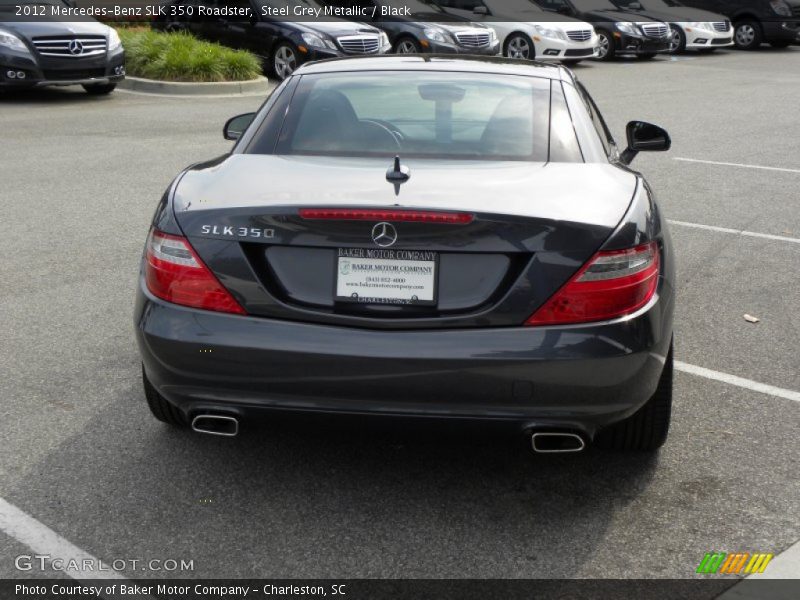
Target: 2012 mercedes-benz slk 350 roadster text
(454, 238)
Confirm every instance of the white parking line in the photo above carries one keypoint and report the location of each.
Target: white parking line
(741, 165)
(766, 236)
(44, 541)
(741, 382)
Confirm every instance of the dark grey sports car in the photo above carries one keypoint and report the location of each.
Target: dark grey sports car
(416, 236)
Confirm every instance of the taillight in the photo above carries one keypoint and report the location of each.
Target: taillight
(175, 273)
(361, 214)
(612, 284)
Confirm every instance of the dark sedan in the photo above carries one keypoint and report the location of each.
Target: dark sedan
(619, 33)
(39, 47)
(417, 237)
(284, 33)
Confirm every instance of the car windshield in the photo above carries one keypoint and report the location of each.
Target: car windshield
(584, 5)
(426, 114)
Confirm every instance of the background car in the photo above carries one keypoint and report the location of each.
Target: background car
(282, 44)
(441, 237)
(776, 22)
(527, 31)
(46, 51)
(619, 33)
(426, 28)
(691, 28)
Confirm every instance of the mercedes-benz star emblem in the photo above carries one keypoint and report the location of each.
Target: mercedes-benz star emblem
(384, 234)
(75, 47)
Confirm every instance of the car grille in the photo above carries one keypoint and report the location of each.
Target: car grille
(70, 46)
(579, 52)
(472, 40)
(73, 74)
(655, 31)
(359, 44)
(722, 27)
(580, 35)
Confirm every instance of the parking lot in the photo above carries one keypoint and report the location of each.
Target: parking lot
(82, 455)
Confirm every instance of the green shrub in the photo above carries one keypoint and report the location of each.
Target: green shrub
(182, 57)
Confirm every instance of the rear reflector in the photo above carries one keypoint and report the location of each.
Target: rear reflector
(612, 284)
(357, 214)
(175, 273)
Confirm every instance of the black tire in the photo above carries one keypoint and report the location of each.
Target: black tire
(648, 56)
(407, 45)
(780, 45)
(520, 45)
(284, 60)
(647, 429)
(99, 89)
(608, 47)
(747, 34)
(677, 44)
(161, 409)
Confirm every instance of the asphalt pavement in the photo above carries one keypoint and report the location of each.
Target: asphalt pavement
(79, 179)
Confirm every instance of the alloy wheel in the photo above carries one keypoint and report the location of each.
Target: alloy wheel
(406, 47)
(674, 41)
(518, 47)
(285, 62)
(745, 34)
(603, 45)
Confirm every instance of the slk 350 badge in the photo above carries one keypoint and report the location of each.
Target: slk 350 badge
(247, 232)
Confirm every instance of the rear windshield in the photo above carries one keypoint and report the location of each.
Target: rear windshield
(437, 115)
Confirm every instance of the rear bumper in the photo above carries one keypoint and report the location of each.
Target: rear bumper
(579, 377)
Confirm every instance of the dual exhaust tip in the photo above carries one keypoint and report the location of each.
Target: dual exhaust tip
(541, 442)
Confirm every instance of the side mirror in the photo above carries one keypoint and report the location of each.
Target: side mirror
(481, 11)
(644, 137)
(237, 125)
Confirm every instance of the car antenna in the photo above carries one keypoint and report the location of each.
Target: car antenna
(397, 174)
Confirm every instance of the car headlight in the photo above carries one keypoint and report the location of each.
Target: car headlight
(113, 40)
(700, 26)
(9, 40)
(317, 41)
(437, 35)
(384, 39)
(492, 35)
(781, 8)
(627, 27)
(547, 32)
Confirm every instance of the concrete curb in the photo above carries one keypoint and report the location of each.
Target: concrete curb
(180, 88)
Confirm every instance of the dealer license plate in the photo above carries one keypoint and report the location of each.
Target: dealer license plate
(386, 276)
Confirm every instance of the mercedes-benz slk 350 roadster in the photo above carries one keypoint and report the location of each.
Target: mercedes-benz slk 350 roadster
(454, 238)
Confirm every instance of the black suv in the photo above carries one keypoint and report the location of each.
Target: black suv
(755, 21)
(44, 50)
(618, 33)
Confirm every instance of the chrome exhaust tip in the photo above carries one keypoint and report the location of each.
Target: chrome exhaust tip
(223, 425)
(551, 441)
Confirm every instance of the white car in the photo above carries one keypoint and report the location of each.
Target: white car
(529, 32)
(690, 28)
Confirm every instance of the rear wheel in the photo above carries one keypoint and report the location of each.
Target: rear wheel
(747, 35)
(407, 45)
(605, 45)
(99, 89)
(677, 40)
(161, 409)
(646, 430)
(519, 45)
